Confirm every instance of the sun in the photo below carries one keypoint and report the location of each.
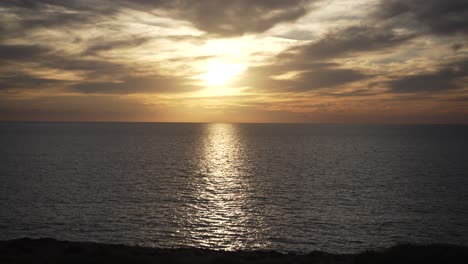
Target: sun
(218, 74)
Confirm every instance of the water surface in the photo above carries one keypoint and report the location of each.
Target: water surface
(286, 187)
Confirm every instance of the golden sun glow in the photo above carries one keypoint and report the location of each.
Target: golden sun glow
(218, 74)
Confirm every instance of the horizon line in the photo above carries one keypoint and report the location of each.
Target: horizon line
(220, 122)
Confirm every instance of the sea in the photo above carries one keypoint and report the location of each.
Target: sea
(283, 187)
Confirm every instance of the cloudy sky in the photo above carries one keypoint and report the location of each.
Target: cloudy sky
(327, 61)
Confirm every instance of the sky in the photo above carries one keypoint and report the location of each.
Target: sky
(312, 61)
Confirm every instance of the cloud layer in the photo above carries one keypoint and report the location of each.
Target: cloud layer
(306, 59)
(439, 17)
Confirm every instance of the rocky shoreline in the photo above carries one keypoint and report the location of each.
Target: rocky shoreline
(47, 250)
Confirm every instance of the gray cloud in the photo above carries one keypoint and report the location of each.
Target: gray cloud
(326, 77)
(359, 92)
(463, 98)
(221, 17)
(39, 4)
(34, 14)
(21, 52)
(312, 61)
(122, 79)
(456, 46)
(446, 78)
(25, 81)
(347, 41)
(309, 76)
(103, 45)
(12, 78)
(133, 84)
(93, 67)
(442, 17)
(236, 17)
(52, 19)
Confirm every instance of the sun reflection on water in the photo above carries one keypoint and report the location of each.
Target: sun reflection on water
(222, 215)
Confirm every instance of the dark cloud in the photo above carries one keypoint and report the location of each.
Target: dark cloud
(51, 20)
(442, 17)
(462, 98)
(40, 4)
(312, 62)
(221, 17)
(133, 84)
(103, 45)
(22, 52)
(347, 41)
(324, 77)
(122, 78)
(24, 81)
(456, 46)
(236, 17)
(92, 67)
(448, 77)
(308, 76)
(358, 92)
(50, 14)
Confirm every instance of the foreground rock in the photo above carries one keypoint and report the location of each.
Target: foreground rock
(53, 251)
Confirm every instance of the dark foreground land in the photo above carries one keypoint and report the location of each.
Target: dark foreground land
(53, 251)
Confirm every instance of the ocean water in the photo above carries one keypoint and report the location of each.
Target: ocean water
(286, 187)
